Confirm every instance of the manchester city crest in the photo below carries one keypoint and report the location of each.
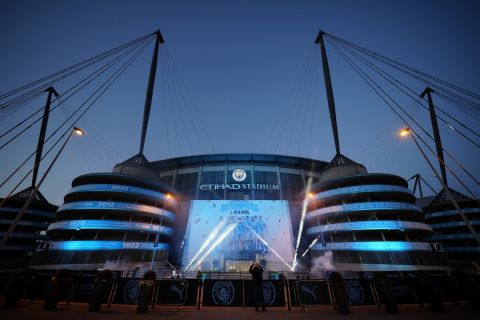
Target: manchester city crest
(355, 292)
(268, 293)
(239, 175)
(223, 293)
(131, 291)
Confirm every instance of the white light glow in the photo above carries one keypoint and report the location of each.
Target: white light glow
(302, 220)
(212, 235)
(273, 250)
(229, 229)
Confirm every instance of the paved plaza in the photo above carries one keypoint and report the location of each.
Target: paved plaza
(78, 311)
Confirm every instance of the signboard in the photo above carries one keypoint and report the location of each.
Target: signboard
(220, 230)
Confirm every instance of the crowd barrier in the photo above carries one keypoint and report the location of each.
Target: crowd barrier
(228, 292)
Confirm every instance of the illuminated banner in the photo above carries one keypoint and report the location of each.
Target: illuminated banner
(228, 235)
(240, 186)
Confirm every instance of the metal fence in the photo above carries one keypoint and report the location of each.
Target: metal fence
(228, 290)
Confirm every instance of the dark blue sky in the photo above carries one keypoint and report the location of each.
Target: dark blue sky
(239, 61)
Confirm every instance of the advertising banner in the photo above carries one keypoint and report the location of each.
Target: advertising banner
(220, 231)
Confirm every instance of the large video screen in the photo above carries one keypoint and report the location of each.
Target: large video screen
(229, 235)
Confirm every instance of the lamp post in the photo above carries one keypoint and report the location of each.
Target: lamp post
(24, 208)
(408, 132)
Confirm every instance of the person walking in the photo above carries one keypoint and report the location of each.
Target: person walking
(256, 270)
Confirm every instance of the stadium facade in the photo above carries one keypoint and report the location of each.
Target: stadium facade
(220, 212)
(30, 229)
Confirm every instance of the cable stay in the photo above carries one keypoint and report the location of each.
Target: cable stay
(413, 95)
(185, 99)
(360, 71)
(68, 94)
(61, 74)
(412, 71)
(383, 95)
(86, 106)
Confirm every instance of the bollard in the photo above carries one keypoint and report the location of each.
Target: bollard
(146, 285)
(469, 287)
(340, 293)
(56, 288)
(17, 287)
(103, 284)
(385, 292)
(428, 290)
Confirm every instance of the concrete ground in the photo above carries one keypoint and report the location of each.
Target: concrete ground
(78, 311)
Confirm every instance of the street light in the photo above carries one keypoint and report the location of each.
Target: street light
(20, 214)
(78, 131)
(409, 132)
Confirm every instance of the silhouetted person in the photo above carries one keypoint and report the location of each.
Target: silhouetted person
(256, 270)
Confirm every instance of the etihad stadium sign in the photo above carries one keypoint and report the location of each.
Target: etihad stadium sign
(240, 186)
(239, 175)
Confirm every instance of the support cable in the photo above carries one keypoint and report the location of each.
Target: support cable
(284, 107)
(294, 94)
(184, 94)
(64, 97)
(180, 109)
(395, 62)
(395, 82)
(364, 76)
(79, 66)
(195, 109)
(356, 68)
(107, 85)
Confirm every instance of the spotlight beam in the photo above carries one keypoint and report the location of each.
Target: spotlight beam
(206, 242)
(302, 220)
(215, 244)
(273, 250)
(310, 246)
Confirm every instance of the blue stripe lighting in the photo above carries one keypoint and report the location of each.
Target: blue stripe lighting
(115, 206)
(110, 225)
(116, 188)
(30, 212)
(370, 225)
(364, 206)
(450, 236)
(373, 188)
(454, 224)
(94, 245)
(374, 246)
(450, 213)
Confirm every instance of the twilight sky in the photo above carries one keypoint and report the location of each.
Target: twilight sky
(239, 61)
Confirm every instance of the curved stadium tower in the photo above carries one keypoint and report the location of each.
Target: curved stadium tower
(29, 231)
(118, 220)
(367, 221)
(450, 231)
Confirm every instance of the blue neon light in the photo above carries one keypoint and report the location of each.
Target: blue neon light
(454, 224)
(450, 236)
(115, 206)
(110, 225)
(364, 206)
(369, 225)
(378, 188)
(374, 246)
(93, 245)
(451, 213)
(39, 213)
(121, 189)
